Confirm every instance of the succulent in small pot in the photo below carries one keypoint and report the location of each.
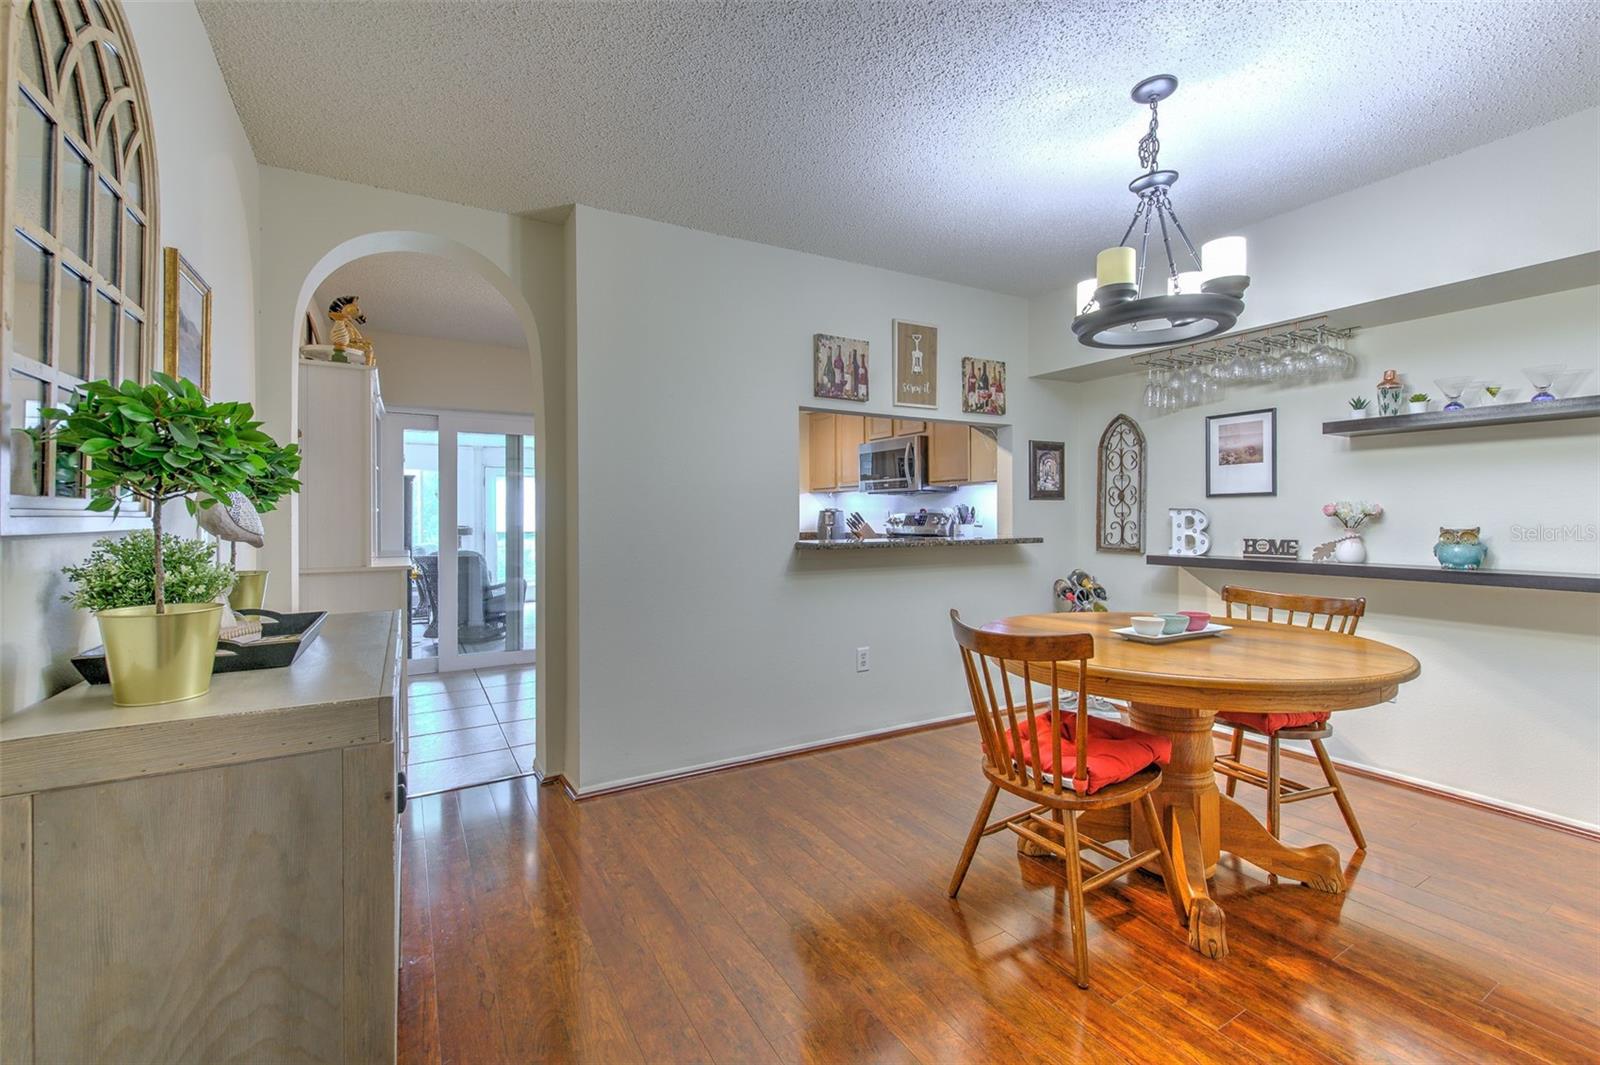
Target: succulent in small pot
(1359, 406)
(1417, 403)
(153, 444)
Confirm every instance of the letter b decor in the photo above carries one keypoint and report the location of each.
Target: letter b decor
(1189, 536)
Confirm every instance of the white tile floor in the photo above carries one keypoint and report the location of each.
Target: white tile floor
(470, 728)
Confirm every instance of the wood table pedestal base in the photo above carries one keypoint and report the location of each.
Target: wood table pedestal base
(1201, 823)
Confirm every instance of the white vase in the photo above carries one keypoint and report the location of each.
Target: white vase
(1358, 412)
(1417, 408)
(1350, 549)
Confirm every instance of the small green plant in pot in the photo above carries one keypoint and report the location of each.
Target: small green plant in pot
(121, 572)
(1359, 407)
(155, 443)
(1417, 403)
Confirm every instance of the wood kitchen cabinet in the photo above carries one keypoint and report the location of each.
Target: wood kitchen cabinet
(211, 880)
(984, 450)
(849, 434)
(834, 451)
(880, 428)
(905, 428)
(961, 454)
(820, 446)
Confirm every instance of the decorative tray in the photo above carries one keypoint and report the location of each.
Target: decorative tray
(1213, 629)
(283, 638)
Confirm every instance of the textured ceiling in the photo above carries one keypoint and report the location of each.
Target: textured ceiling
(988, 143)
(426, 296)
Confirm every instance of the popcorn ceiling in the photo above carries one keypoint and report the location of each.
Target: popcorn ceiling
(985, 143)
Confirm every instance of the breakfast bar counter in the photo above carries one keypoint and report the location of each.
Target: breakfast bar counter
(899, 542)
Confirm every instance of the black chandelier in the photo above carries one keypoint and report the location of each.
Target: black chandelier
(1196, 303)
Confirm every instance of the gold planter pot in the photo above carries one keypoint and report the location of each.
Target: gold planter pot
(160, 658)
(249, 589)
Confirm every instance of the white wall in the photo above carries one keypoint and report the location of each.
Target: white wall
(208, 210)
(430, 373)
(1498, 207)
(704, 635)
(1508, 704)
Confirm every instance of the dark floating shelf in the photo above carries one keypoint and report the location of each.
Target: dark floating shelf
(1508, 414)
(1493, 578)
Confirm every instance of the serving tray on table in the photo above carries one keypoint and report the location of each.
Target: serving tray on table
(1212, 629)
(283, 638)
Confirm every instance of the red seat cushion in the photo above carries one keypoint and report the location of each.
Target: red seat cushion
(1116, 751)
(1271, 723)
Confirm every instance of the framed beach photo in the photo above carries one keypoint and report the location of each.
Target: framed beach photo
(186, 325)
(916, 365)
(1047, 469)
(838, 368)
(1242, 453)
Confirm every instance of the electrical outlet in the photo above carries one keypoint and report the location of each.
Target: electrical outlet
(863, 659)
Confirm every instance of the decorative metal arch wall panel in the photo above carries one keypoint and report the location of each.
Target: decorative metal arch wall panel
(1119, 488)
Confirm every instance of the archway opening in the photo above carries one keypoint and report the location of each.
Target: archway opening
(457, 357)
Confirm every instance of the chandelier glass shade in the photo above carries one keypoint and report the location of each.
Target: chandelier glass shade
(1205, 299)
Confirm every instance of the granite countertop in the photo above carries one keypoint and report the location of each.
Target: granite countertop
(905, 542)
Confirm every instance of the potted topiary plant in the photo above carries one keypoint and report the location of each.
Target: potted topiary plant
(155, 443)
(1358, 407)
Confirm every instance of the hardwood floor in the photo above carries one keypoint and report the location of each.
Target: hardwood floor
(795, 911)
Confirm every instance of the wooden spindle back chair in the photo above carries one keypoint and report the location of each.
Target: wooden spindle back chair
(1330, 614)
(1004, 672)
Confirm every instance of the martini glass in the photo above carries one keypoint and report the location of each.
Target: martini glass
(1452, 387)
(1542, 377)
(1491, 391)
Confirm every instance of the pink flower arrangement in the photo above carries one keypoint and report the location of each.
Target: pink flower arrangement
(1352, 515)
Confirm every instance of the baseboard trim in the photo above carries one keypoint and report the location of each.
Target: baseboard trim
(1439, 791)
(1423, 787)
(767, 756)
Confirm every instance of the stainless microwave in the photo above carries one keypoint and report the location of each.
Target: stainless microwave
(898, 464)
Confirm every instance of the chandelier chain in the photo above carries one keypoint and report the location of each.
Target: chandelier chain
(1150, 144)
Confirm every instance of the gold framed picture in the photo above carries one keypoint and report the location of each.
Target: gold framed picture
(186, 321)
(916, 365)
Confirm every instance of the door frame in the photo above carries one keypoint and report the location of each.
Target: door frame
(448, 424)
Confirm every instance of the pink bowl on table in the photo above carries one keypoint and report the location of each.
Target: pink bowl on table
(1198, 619)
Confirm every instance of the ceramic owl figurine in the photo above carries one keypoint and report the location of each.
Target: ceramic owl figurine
(1460, 548)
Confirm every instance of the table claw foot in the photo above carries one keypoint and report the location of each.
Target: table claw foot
(1316, 866)
(1207, 928)
(1329, 878)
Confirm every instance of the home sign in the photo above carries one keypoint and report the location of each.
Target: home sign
(1264, 548)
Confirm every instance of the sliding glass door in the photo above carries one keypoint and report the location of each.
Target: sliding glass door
(464, 498)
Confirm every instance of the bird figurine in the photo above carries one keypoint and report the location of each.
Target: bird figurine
(238, 523)
(345, 312)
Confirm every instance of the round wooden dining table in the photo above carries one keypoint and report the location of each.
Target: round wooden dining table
(1176, 689)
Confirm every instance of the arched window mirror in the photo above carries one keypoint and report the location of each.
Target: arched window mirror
(80, 264)
(1119, 502)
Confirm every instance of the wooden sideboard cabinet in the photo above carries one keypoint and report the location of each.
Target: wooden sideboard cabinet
(213, 880)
